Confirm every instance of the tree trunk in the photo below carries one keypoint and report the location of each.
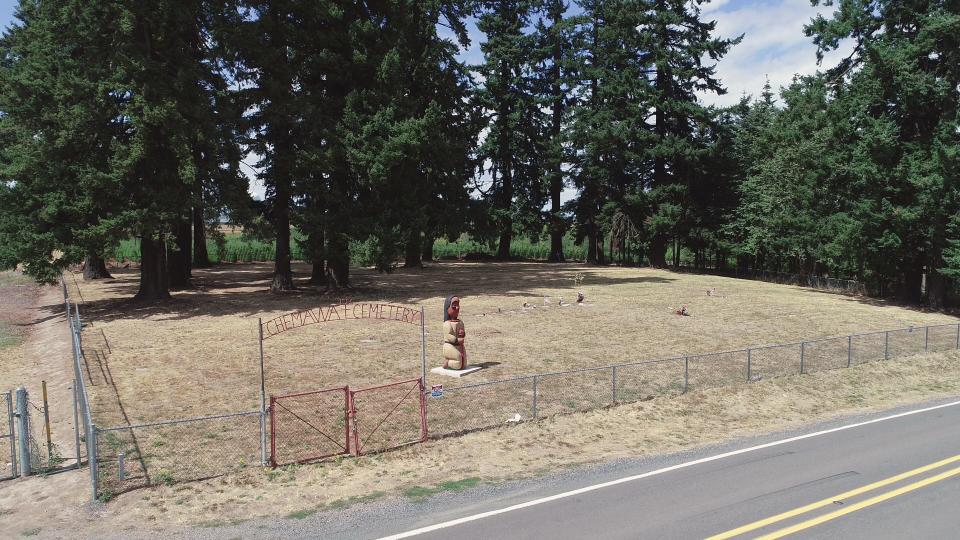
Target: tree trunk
(338, 262)
(201, 259)
(506, 237)
(910, 285)
(658, 251)
(94, 267)
(411, 258)
(178, 259)
(282, 272)
(591, 245)
(318, 273)
(556, 179)
(426, 248)
(676, 253)
(936, 285)
(154, 281)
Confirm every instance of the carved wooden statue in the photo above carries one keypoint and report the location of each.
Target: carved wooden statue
(454, 353)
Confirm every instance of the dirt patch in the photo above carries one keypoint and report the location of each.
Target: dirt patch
(39, 350)
(661, 425)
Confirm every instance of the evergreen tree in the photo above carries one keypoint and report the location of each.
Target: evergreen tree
(268, 40)
(555, 59)
(677, 41)
(511, 152)
(904, 76)
(58, 190)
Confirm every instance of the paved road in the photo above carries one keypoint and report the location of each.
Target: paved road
(895, 478)
(915, 460)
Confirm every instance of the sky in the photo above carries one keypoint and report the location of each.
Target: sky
(773, 47)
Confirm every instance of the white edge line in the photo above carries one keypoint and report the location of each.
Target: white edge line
(625, 479)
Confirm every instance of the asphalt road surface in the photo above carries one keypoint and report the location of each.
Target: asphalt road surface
(889, 475)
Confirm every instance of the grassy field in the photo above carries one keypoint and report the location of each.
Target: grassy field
(202, 345)
(197, 355)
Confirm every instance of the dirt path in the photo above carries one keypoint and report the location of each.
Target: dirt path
(42, 353)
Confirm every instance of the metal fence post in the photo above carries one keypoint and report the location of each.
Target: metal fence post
(803, 348)
(926, 338)
(23, 428)
(13, 436)
(613, 385)
(535, 397)
(263, 396)
(886, 345)
(121, 466)
(748, 364)
(423, 348)
(92, 457)
(849, 350)
(686, 373)
(76, 422)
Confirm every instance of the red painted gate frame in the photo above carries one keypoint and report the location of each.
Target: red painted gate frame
(350, 416)
(347, 406)
(357, 446)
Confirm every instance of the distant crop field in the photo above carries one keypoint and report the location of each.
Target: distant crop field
(238, 248)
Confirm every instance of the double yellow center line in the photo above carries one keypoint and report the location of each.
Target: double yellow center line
(846, 495)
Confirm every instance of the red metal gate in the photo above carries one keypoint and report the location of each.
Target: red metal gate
(309, 426)
(388, 416)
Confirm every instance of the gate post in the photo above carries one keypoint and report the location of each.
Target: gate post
(23, 427)
(423, 351)
(263, 411)
(353, 423)
(423, 409)
(13, 436)
(76, 421)
(273, 433)
(346, 418)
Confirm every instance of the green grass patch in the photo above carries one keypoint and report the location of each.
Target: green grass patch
(8, 338)
(301, 514)
(418, 493)
(31, 532)
(340, 504)
(10, 277)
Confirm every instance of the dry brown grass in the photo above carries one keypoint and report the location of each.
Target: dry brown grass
(658, 426)
(197, 354)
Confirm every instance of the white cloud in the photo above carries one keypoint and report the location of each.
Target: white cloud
(773, 46)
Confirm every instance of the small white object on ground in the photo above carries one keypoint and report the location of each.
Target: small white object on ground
(515, 418)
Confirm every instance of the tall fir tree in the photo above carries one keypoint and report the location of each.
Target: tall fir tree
(510, 154)
(677, 44)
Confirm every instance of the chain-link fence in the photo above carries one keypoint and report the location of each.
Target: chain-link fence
(82, 420)
(130, 457)
(8, 438)
(309, 426)
(45, 455)
(476, 406)
(846, 286)
(388, 416)
(380, 418)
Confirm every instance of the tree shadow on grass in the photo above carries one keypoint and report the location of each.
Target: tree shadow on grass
(243, 289)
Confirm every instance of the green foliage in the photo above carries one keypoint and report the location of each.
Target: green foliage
(418, 493)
